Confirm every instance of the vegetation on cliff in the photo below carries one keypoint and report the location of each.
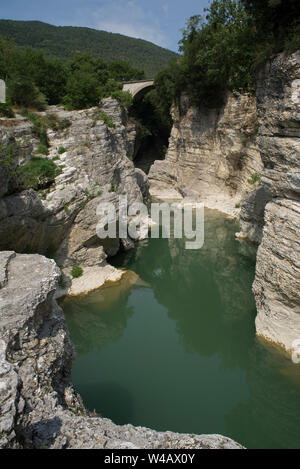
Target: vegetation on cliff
(221, 51)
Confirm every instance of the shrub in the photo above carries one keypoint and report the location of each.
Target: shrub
(6, 111)
(254, 179)
(124, 98)
(64, 124)
(55, 124)
(39, 173)
(42, 149)
(112, 187)
(76, 271)
(8, 156)
(39, 129)
(61, 150)
(108, 120)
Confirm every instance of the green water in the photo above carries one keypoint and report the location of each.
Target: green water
(177, 350)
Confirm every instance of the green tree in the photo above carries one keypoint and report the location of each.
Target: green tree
(277, 24)
(82, 90)
(121, 71)
(218, 53)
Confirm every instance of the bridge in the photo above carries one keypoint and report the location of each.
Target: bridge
(135, 87)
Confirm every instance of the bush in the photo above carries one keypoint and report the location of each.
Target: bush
(39, 173)
(61, 150)
(42, 149)
(112, 187)
(124, 98)
(6, 111)
(39, 129)
(64, 124)
(254, 179)
(76, 271)
(108, 120)
(8, 158)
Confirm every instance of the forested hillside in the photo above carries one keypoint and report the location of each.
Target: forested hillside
(64, 41)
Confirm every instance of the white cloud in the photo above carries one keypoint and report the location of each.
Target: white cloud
(128, 18)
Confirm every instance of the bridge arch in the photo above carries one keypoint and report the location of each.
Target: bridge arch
(135, 87)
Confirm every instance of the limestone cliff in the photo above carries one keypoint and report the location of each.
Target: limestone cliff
(277, 282)
(212, 154)
(94, 154)
(39, 407)
(218, 156)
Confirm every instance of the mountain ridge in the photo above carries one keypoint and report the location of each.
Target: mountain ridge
(64, 41)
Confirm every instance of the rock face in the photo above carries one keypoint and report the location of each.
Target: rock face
(39, 407)
(96, 167)
(252, 215)
(212, 154)
(277, 282)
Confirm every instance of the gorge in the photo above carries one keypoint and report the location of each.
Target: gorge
(241, 159)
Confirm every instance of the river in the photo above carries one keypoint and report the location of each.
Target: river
(177, 349)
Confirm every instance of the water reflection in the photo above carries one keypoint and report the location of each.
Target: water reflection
(177, 350)
(100, 317)
(204, 290)
(271, 417)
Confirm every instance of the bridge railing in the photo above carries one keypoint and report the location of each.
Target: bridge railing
(137, 81)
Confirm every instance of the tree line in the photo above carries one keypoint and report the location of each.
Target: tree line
(64, 41)
(222, 50)
(35, 81)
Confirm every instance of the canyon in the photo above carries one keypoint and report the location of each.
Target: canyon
(219, 156)
(242, 159)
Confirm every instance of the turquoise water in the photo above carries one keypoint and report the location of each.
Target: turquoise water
(177, 349)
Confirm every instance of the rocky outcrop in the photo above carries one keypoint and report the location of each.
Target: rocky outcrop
(94, 152)
(39, 407)
(212, 154)
(252, 215)
(277, 281)
(271, 215)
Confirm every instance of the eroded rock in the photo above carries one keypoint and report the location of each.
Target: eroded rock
(212, 154)
(95, 161)
(277, 281)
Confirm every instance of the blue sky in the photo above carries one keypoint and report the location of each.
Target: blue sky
(158, 21)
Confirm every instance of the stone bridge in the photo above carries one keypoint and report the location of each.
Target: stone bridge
(134, 87)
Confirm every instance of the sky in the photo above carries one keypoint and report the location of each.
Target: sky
(157, 21)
